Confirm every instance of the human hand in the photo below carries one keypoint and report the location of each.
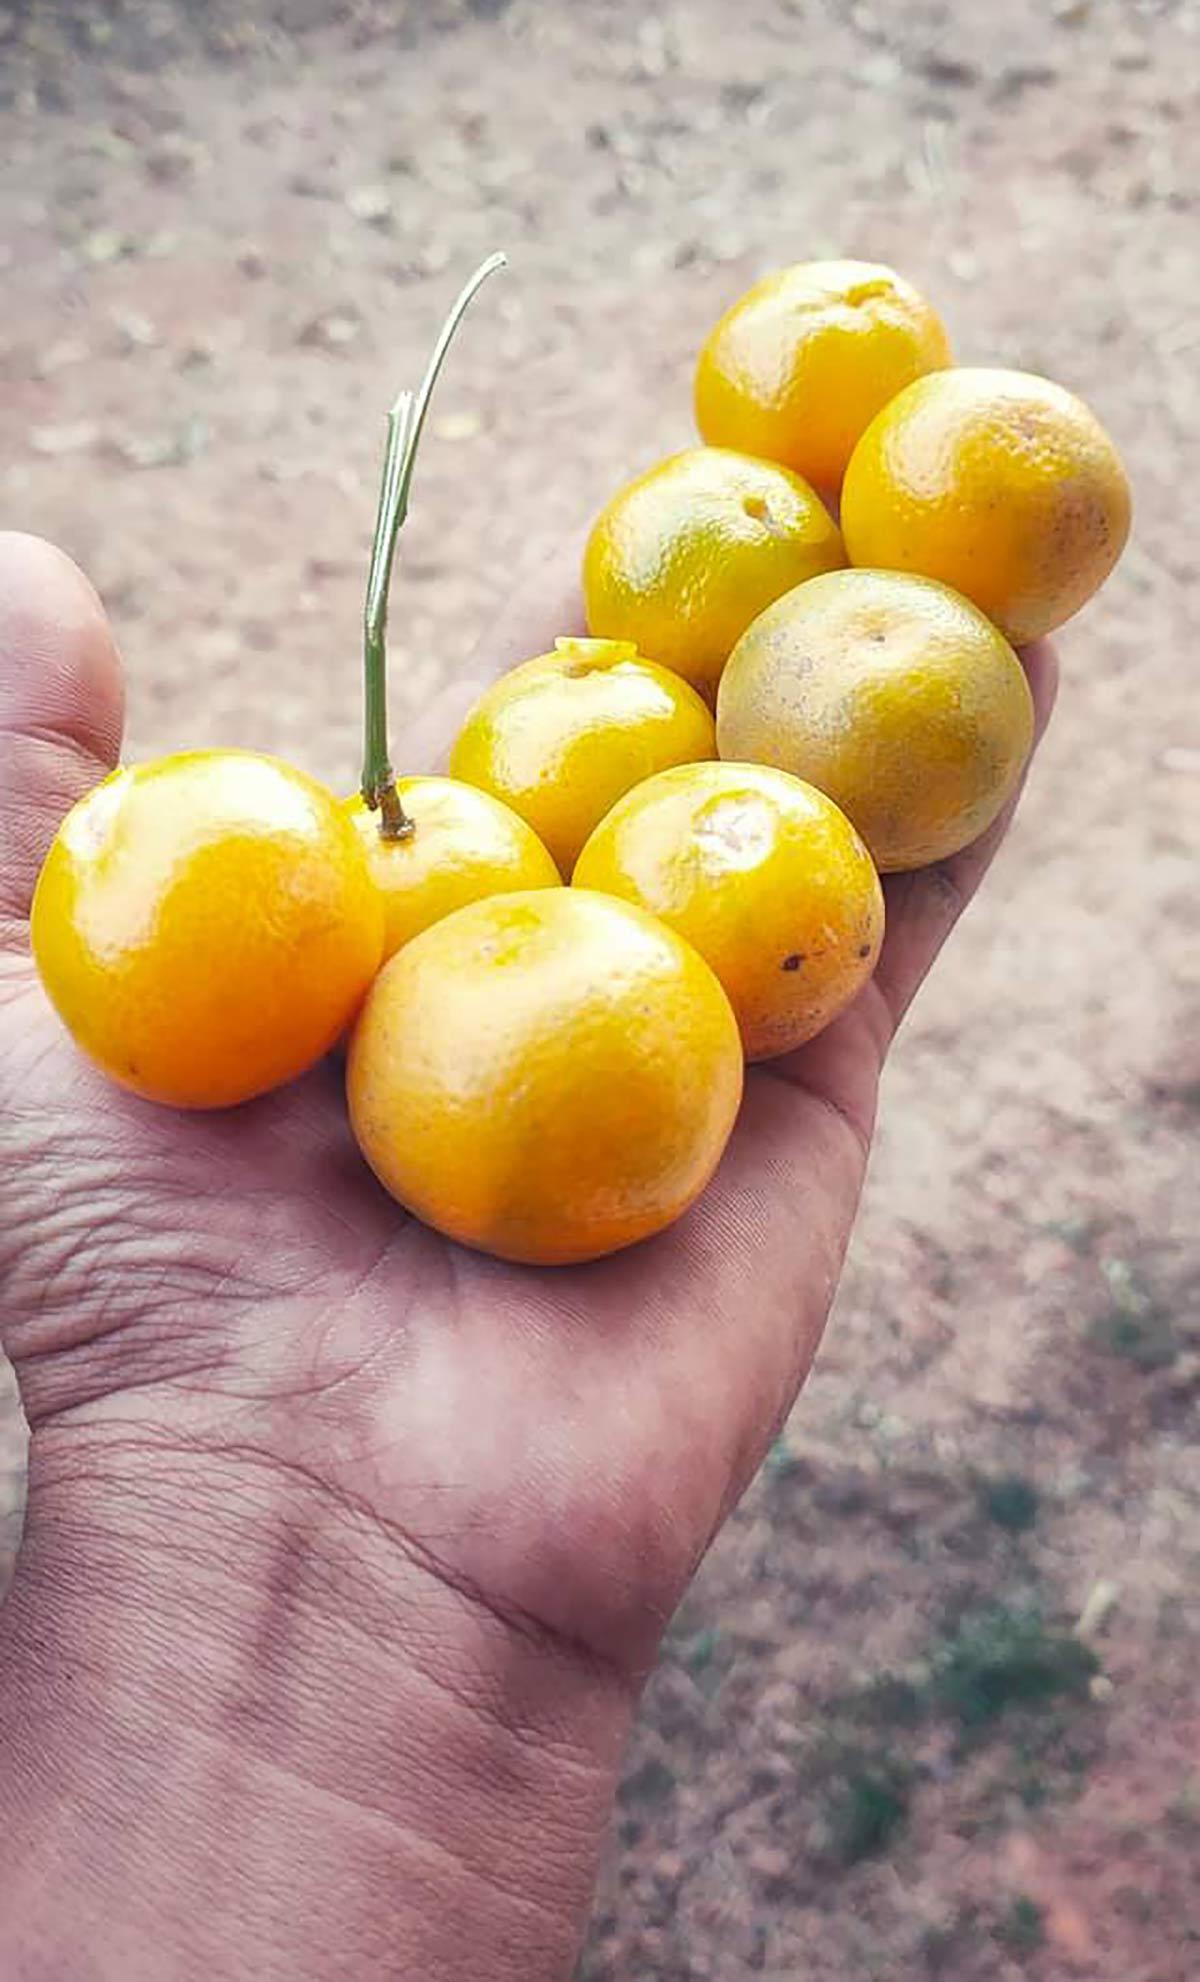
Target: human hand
(348, 1551)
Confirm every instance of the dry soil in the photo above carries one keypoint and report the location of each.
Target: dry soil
(932, 1709)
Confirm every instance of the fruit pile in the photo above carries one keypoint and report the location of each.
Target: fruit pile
(657, 853)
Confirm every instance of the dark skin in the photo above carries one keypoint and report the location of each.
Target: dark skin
(349, 1551)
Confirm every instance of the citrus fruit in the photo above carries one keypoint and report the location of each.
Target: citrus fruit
(683, 558)
(803, 362)
(463, 845)
(562, 736)
(545, 1076)
(893, 695)
(206, 925)
(998, 483)
(763, 875)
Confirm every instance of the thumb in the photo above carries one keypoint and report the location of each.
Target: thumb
(61, 705)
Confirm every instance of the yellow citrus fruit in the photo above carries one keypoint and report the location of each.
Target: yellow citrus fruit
(561, 737)
(763, 875)
(683, 558)
(892, 694)
(998, 483)
(463, 845)
(545, 1076)
(206, 925)
(800, 366)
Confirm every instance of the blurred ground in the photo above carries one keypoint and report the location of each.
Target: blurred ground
(933, 1707)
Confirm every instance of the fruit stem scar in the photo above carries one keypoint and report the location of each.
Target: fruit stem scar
(758, 510)
(866, 292)
(405, 424)
(584, 656)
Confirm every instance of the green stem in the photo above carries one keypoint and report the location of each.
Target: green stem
(406, 421)
(378, 779)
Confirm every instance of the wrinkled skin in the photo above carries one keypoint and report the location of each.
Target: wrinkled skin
(348, 1551)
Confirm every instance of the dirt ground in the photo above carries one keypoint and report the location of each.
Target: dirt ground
(932, 1709)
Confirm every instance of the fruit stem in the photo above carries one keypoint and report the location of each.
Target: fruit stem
(405, 423)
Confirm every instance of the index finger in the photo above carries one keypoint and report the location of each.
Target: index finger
(548, 603)
(924, 905)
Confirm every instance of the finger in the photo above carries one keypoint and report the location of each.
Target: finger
(840, 1068)
(546, 603)
(61, 708)
(923, 907)
(782, 1204)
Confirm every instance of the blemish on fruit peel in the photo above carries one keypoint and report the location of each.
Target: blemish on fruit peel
(737, 832)
(87, 831)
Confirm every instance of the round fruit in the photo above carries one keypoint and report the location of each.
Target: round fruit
(463, 845)
(206, 925)
(893, 695)
(764, 876)
(562, 737)
(998, 483)
(547, 1076)
(799, 367)
(683, 559)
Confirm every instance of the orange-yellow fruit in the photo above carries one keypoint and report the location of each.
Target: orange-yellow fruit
(683, 558)
(764, 876)
(560, 738)
(893, 695)
(799, 367)
(998, 483)
(464, 845)
(206, 925)
(547, 1077)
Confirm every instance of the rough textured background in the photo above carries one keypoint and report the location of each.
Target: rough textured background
(932, 1709)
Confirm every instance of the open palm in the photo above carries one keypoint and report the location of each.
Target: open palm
(233, 1347)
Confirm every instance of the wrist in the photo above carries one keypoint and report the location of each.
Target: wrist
(262, 1736)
